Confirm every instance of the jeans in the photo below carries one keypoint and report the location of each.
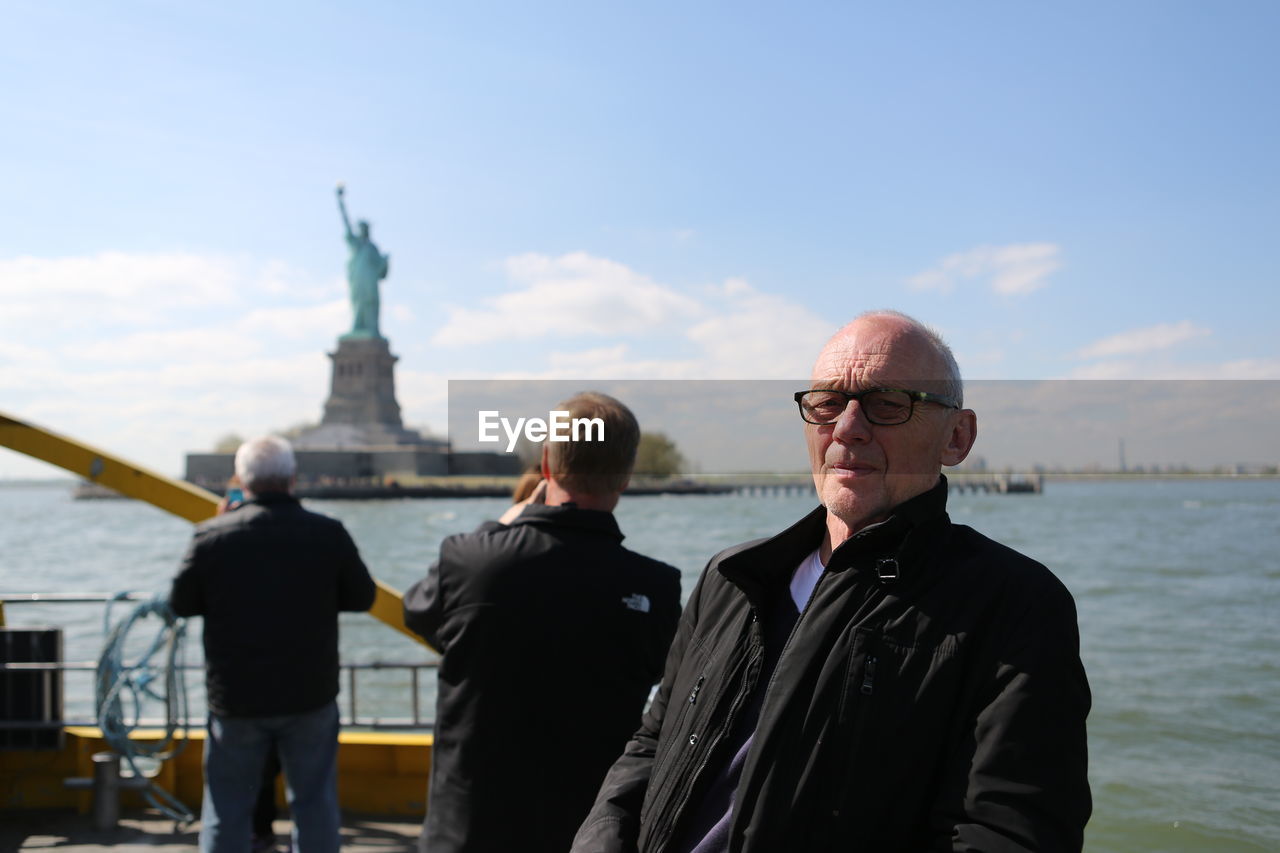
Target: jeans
(235, 750)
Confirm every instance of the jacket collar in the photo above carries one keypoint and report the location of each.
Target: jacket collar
(273, 499)
(888, 551)
(569, 515)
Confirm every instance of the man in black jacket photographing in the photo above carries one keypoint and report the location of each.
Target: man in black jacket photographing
(552, 635)
(874, 677)
(269, 578)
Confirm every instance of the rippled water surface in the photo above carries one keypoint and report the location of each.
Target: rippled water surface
(1177, 583)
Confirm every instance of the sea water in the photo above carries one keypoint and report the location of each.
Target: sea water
(1177, 584)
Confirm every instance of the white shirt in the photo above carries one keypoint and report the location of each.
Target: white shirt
(805, 579)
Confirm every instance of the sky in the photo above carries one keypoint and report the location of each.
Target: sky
(606, 191)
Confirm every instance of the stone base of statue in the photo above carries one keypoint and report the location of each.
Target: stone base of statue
(361, 410)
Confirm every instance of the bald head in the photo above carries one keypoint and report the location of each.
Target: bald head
(885, 331)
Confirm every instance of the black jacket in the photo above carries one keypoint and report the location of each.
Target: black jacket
(269, 578)
(552, 637)
(941, 710)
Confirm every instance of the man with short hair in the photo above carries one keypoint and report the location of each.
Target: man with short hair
(552, 635)
(874, 677)
(269, 578)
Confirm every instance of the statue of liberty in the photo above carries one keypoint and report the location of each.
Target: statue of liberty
(365, 269)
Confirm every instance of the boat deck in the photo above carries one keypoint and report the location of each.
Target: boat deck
(69, 832)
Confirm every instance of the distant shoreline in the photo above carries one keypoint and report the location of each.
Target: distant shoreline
(697, 484)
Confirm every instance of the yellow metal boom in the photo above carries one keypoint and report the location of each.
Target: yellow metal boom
(176, 496)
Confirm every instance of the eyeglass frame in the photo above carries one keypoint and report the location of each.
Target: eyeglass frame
(914, 396)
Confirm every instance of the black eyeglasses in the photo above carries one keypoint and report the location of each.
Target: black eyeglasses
(882, 406)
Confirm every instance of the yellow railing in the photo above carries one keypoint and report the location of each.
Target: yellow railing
(180, 498)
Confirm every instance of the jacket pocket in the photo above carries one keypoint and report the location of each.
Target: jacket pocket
(859, 683)
(896, 704)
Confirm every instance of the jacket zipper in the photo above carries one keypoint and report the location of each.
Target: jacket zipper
(663, 836)
(686, 708)
(749, 684)
(857, 726)
(869, 676)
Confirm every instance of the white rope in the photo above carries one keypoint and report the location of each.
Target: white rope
(124, 688)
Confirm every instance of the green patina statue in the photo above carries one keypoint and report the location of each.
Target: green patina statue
(365, 269)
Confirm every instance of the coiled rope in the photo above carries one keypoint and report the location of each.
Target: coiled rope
(124, 688)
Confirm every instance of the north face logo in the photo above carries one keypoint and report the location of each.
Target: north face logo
(636, 601)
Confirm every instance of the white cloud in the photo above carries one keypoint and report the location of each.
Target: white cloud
(89, 294)
(591, 359)
(15, 355)
(148, 347)
(152, 355)
(735, 331)
(742, 334)
(170, 382)
(1248, 368)
(1147, 339)
(1109, 370)
(1013, 269)
(112, 287)
(299, 322)
(280, 279)
(401, 313)
(154, 415)
(569, 296)
(615, 362)
(759, 336)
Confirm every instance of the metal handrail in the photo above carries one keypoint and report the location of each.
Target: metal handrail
(70, 597)
(352, 717)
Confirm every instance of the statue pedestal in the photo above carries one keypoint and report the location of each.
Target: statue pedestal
(363, 387)
(361, 439)
(361, 411)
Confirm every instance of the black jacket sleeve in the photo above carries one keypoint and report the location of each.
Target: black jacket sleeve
(1020, 782)
(186, 597)
(424, 607)
(356, 589)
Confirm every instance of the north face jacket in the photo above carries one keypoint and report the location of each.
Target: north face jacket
(930, 697)
(552, 636)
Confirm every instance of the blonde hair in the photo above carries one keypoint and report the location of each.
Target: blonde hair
(524, 487)
(596, 467)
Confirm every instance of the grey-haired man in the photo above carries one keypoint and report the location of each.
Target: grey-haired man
(269, 578)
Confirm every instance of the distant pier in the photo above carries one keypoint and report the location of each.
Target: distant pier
(744, 485)
(1003, 484)
(800, 485)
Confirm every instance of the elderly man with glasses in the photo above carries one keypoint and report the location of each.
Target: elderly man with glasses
(875, 677)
